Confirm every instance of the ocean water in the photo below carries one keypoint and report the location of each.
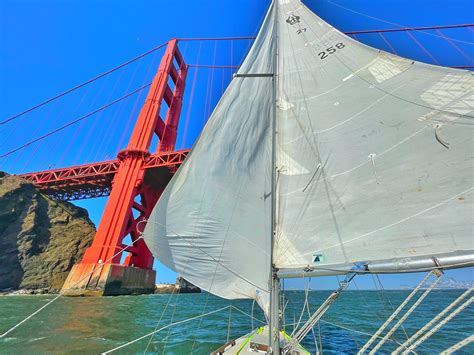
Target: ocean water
(95, 325)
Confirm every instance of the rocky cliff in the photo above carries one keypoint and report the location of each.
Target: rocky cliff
(181, 286)
(40, 238)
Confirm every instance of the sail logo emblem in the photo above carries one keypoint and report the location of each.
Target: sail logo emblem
(318, 258)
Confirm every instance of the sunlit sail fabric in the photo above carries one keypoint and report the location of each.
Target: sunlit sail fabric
(374, 151)
(212, 223)
(373, 162)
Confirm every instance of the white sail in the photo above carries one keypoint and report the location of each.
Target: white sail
(212, 223)
(374, 162)
(372, 131)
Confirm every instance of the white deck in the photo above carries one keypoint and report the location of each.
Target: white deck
(256, 342)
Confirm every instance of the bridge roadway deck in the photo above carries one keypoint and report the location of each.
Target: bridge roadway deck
(95, 180)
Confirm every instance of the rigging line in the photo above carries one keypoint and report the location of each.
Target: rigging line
(217, 261)
(389, 22)
(165, 327)
(433, 321)
(217, 38)
(177, 300)
(184, 273)
(159, 320)
(228, 325)
(305, 304)
(353, 330)
(345, 328)
(438, 274)
(440, 324)
(82, 84)
(350, 333)
(101, 265)
(320, 338)
(384, 296)
(459, 345)
(377, 314)
(72, 122)
(249, 315)
(171, 321)
(323, 308)
(439, 204)
(403, 29)
(309, 315)
(220, 255)
(393, 315)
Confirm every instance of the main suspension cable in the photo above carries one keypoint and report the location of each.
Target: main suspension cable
(82, 84)
(73, 122)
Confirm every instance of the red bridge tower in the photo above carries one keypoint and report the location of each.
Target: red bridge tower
(134, 191)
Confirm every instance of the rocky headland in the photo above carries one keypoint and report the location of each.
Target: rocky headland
(40, 238)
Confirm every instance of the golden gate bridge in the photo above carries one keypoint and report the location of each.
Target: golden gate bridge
(135, 179)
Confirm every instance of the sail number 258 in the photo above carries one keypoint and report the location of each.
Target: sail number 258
(330, 50)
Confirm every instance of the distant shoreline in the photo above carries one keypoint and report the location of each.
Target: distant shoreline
(25, 292)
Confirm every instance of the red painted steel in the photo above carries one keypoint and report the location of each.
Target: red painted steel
(135, 181)
(95, 180)
(129, 190)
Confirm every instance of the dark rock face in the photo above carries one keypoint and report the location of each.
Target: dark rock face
(40, 238)
(186, 286)
(181, 286)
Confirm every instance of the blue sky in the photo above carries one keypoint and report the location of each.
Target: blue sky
(49, 46)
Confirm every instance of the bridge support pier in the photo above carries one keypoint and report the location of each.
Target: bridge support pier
(108, 280)
(135, 191)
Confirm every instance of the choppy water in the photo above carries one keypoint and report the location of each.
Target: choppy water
(94, 325)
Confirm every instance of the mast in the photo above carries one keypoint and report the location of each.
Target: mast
(274, 317)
